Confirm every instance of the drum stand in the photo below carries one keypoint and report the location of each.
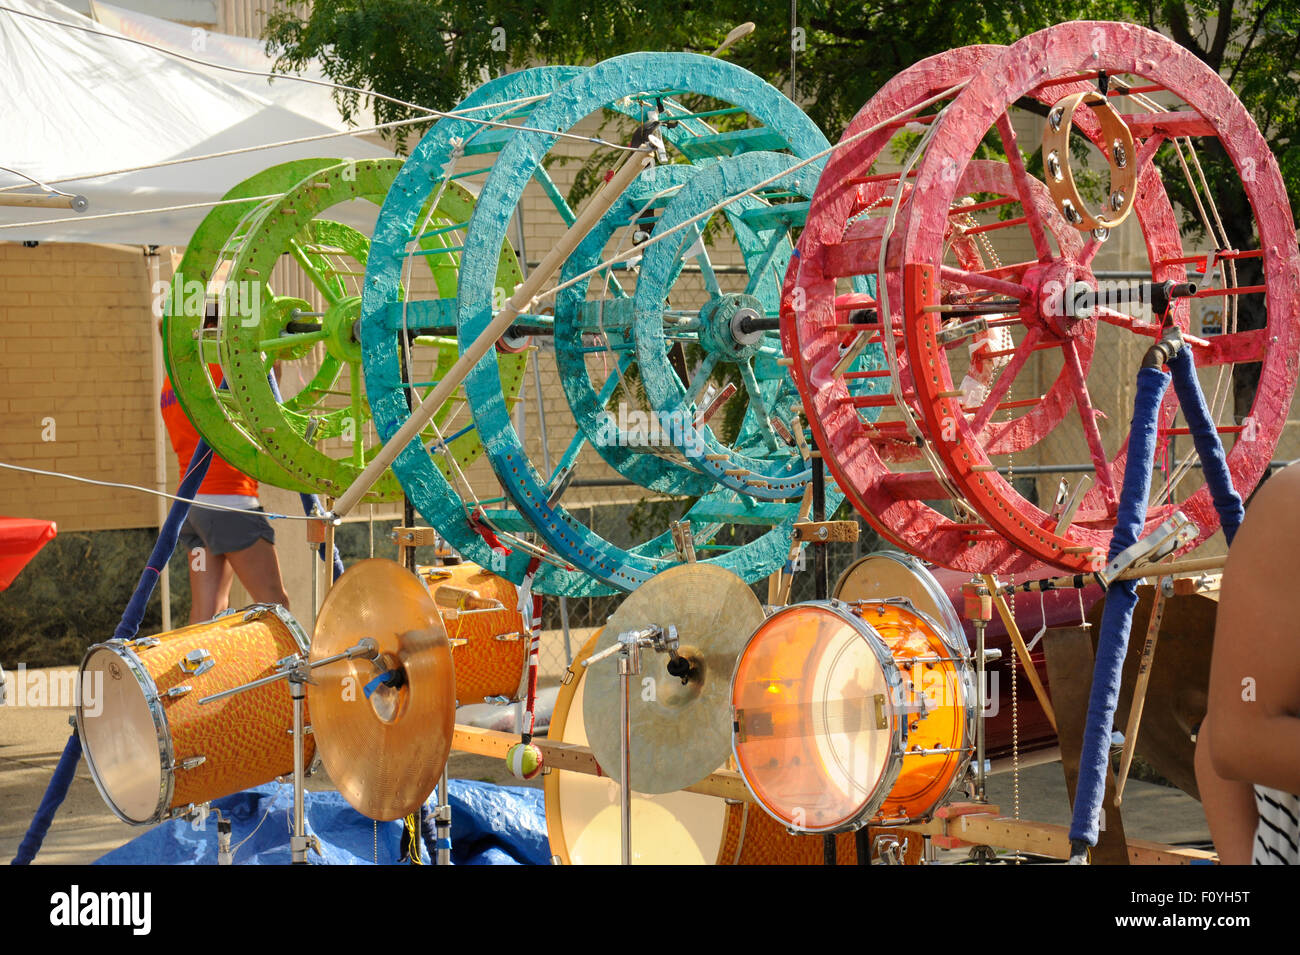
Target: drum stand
(628, 647)
(297, 671)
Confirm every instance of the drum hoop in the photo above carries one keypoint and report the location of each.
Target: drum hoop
(898, 727)
(122, 648)
(951, 631)
(299, 635)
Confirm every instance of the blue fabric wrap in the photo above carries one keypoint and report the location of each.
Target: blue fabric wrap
(50, 802)
(163, 548)
(1208, 446)
(310, 502)
(491, 825)
(1121, 599)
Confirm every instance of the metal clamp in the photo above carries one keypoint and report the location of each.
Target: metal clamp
(1174, 533)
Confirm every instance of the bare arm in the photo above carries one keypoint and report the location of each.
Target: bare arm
(1255, 674)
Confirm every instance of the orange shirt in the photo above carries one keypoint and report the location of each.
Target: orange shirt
(221, 477)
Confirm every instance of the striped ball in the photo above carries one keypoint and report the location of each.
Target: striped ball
(524, 760)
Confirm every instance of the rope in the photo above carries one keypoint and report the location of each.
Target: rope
(146, 490)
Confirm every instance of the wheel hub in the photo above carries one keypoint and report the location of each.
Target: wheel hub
(1059, 287)
(722, 329)
(338, 322)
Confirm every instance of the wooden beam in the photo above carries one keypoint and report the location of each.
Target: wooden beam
(580, 759)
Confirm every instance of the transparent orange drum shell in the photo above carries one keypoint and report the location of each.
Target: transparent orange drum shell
(810, 692)
(140, 732)
(924, 781)
(816, 667)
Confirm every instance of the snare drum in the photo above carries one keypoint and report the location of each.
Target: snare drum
(153, 749)
(679, 828)
(849, 713)
(488, 649)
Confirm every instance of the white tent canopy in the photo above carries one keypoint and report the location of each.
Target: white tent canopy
(313, 101)
(77, 104)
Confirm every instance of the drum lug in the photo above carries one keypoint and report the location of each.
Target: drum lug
(196, 662)
(497, 700)
(511, 637)
(142, 643)
(189, 762)
(306, 730)
(179, 690)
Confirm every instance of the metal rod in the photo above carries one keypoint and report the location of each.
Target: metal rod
(298, 846)
(442, 822)
(524, 295)
(625, 754)
(981, 700)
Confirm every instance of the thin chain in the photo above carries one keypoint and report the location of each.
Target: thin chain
(1015, 722)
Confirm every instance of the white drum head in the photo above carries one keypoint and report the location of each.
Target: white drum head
(887, 574)
(679, 828)
(119, 736)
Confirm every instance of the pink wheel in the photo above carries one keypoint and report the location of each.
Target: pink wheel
(880, 464)
(1117, 68)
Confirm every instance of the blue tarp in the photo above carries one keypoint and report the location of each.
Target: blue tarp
(490, 825)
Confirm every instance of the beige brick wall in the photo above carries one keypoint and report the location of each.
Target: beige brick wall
(76, 339)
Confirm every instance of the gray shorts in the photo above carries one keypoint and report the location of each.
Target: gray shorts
(223, 532)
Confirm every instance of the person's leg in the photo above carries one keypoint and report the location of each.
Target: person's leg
(258, 568)
(1229, 807)
(210, 579)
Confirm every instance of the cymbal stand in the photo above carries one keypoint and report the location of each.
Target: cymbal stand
(628, 647)
(297, 670)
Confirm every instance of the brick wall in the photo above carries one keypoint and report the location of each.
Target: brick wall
(76, 338)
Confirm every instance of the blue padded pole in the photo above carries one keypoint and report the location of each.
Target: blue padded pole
(1121, 599)
(1208, 446)
(127, 628)
(166, 543)
(50, 802)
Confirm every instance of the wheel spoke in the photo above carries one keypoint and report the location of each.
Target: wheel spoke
(289, 341)
(314, 274)
(764, 262)
(700, 377)
(1006, 379)
(1033, 219)
(1088, 415)
(982, 280)
(758, 404)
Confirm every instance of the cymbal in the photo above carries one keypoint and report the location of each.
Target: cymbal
(680, 733)
(384, 751)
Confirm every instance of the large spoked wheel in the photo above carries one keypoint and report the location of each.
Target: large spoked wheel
(876, 445)
(306, 427)
(641, 86)
(432, 478)
(1166, 99)
(191, 347)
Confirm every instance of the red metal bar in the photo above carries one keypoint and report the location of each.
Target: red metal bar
(1180, 123)
(983, 280)
(1004, 224)
(981, 206)
(878, 177)
(1222, 429)
(1204, 257)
